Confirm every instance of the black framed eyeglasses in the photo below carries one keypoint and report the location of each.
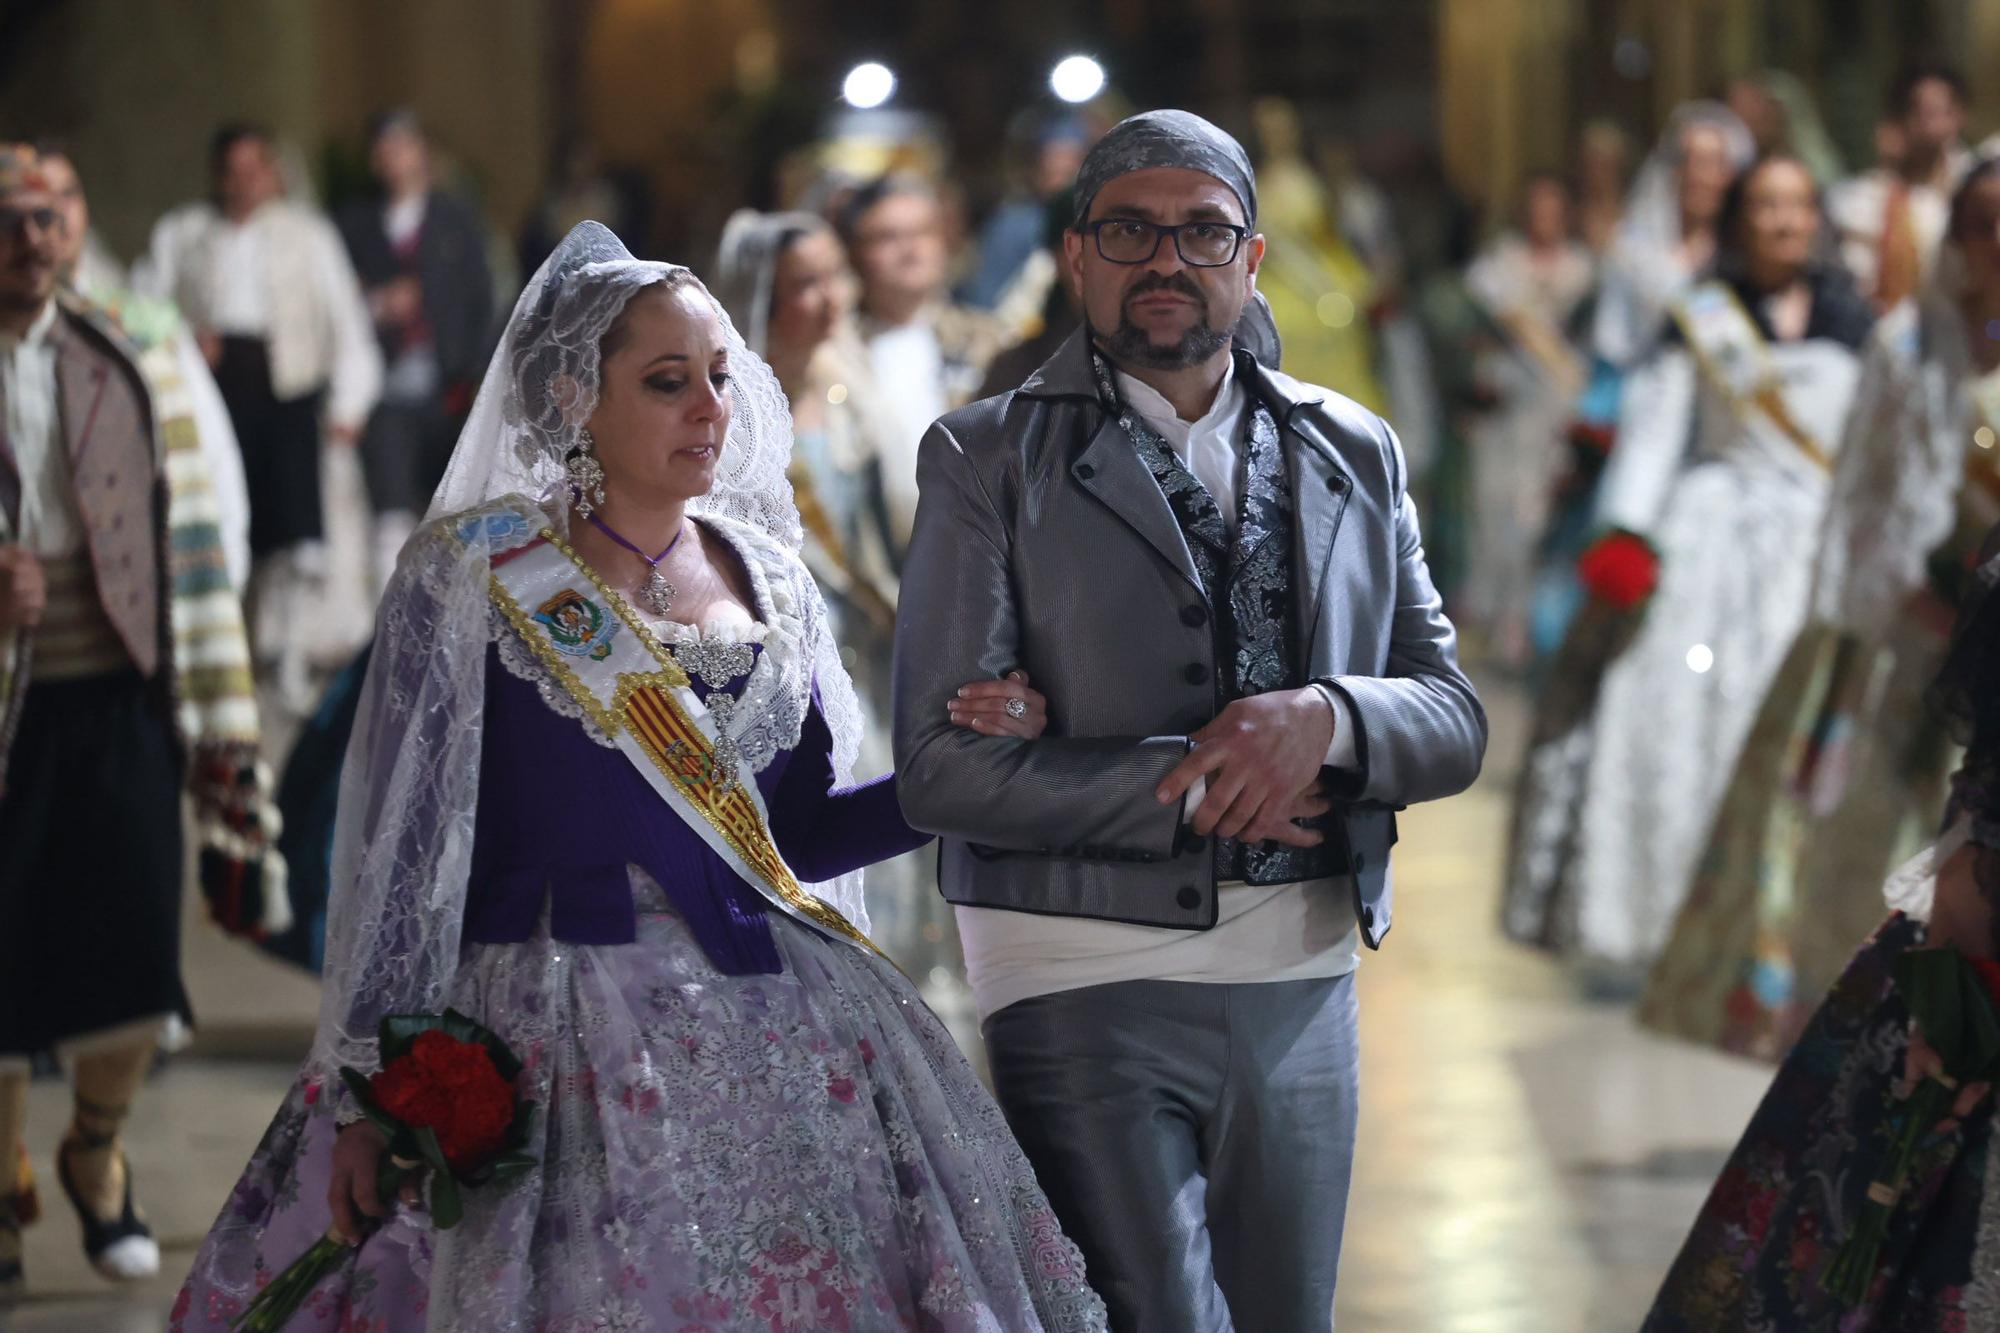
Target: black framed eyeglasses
(1136, 241)
(18, 221)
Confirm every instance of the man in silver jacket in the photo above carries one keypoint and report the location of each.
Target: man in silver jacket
(1215, 576)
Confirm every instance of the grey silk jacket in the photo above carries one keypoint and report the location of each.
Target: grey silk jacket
(1043, 543)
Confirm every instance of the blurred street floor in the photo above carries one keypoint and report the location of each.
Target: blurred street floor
(1528, 1161)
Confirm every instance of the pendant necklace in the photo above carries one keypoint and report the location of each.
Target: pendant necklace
(658, 593)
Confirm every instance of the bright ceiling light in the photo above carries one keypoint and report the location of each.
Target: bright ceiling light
(1077, 79)
(868, 85)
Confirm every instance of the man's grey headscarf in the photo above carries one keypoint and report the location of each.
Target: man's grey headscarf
(1170, 138)
(1166, 139)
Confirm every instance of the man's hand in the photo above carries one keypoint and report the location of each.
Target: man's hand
(398, 303)
(1261, 752)
(24, 591)
(1961, 919)
(1276, 823)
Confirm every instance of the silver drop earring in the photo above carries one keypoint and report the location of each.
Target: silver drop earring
(586, 475)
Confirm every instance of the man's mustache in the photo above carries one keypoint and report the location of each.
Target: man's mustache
(1178, 283)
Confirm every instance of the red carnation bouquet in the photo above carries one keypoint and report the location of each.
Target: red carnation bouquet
(445, 1101)
(1620, 569)
(1956, 1002)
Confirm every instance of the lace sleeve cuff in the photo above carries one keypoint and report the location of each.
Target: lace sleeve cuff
(1912, 886)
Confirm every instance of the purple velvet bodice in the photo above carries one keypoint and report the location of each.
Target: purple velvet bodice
(561, 817)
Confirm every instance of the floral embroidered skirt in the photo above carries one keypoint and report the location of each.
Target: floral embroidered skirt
(798, 1151)
(1782, 893)
(1788, 1197)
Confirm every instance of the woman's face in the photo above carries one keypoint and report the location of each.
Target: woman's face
(1705, 173)
(1780, 216)
(1545, 213)
(808, 293)
(1601, 162)
(1978, 235)
(663, 400)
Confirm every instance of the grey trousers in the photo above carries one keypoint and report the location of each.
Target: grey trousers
(1195, 1140)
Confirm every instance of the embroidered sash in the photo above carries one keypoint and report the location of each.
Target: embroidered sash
(1734, 357)
(631, 688)
(1544, 344)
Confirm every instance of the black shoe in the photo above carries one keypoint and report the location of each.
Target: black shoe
(124, 1250)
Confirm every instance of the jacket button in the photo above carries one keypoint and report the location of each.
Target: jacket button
(1084, 472)
(1360, 863)
(1335, 484)
(1188, 898)
(1194, 616)
(1195, 843)
(1368, 917)
(1195, 674)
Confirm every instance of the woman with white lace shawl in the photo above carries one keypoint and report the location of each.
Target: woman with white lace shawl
(602, 742)
(1664, 241)
(1844, 773)
(1758, 1252)
(1726, 441)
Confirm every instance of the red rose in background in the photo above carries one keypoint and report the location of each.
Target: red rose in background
(1620, 570)
(1988, 970)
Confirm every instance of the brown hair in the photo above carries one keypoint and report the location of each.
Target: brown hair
(614, 337)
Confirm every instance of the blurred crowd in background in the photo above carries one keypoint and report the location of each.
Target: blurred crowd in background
(1543, 363)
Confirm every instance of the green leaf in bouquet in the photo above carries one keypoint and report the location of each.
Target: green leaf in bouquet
(510, 1166)
(429, 1151)
(1980, 1036)
(447, 1205)
(1928, 980)
(520, 1128)
(399, 1032)
(1958, 1017)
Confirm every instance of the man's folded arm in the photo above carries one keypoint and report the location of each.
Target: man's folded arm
(957, 622)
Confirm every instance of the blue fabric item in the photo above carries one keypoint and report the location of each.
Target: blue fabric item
(1012, 233)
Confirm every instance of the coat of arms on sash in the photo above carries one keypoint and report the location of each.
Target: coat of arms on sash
(577, 626)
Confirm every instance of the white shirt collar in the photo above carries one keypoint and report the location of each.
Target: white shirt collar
(1151, 404)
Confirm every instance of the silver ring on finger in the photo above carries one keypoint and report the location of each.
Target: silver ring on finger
(1017, 709)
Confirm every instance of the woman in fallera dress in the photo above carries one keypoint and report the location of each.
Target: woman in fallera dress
(1758, 1254)
(1845, 771)
(1727, 439)
(784, 281)
(604, 739)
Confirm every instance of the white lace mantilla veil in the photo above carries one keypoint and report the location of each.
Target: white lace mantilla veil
(746, 266)
(1641, 276)
(403, 836)
(1895, 492)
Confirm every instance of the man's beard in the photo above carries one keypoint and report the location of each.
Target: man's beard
(29, 293)
(1133, 346)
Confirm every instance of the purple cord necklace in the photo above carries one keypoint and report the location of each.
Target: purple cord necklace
(658, 594)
